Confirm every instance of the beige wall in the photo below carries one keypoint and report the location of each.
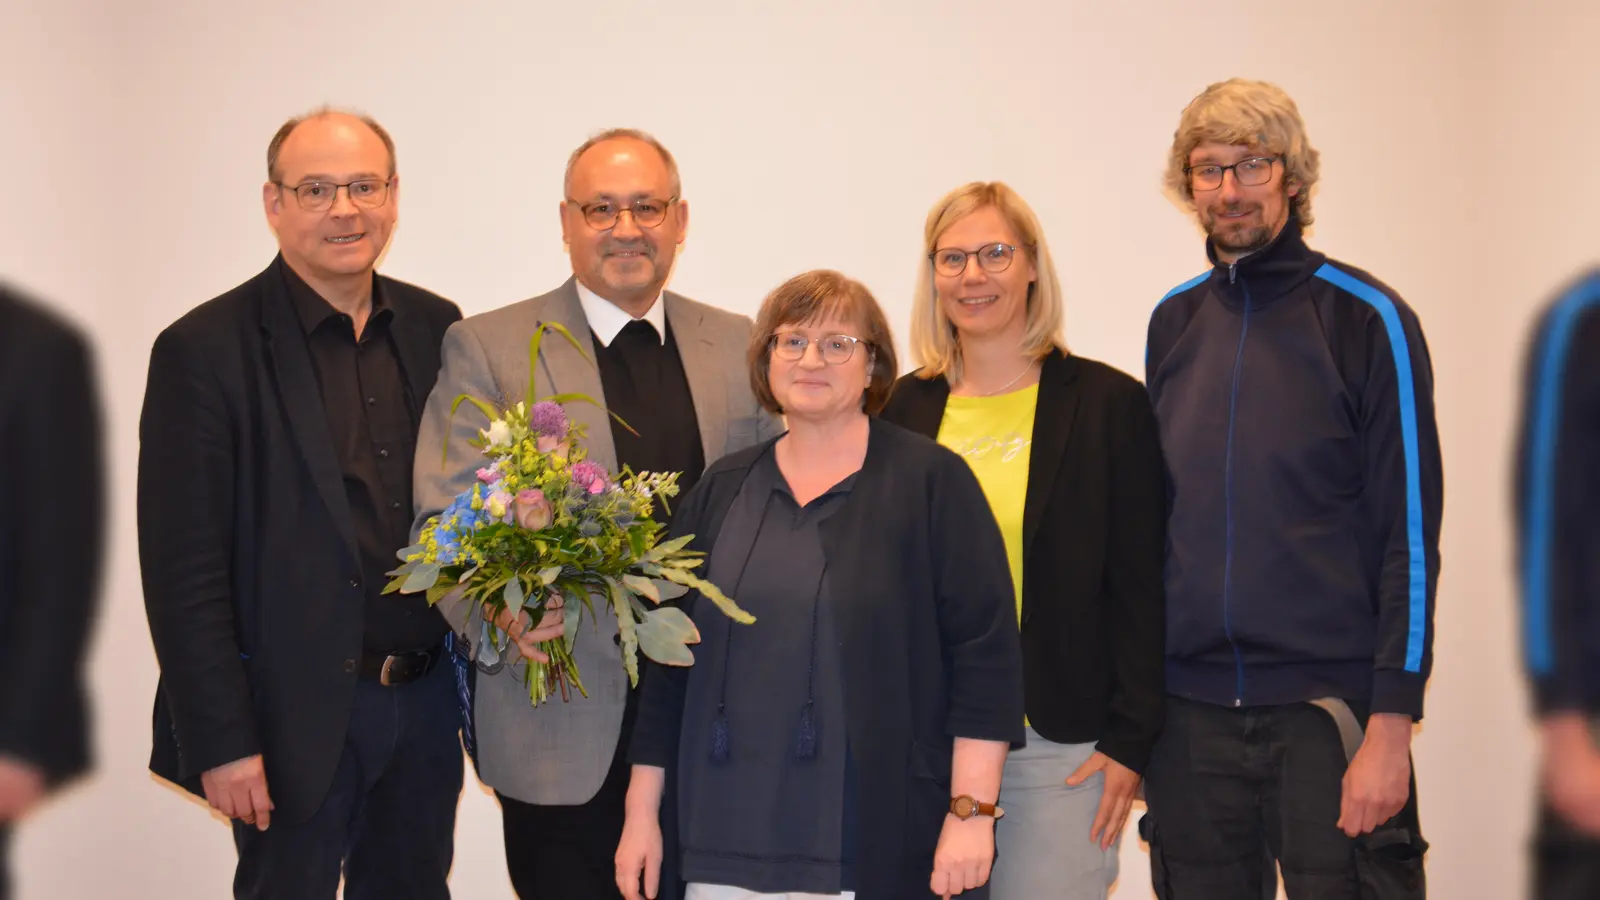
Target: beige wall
(1457, 144)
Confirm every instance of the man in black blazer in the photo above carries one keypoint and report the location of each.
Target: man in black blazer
(274, 489)
(52, 489)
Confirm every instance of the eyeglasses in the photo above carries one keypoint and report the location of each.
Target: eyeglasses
(836, 349)
(317, 196)
(992, 257)
(603, 215)
(1248, 172)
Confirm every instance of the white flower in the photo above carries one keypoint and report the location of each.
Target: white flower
(499, 434)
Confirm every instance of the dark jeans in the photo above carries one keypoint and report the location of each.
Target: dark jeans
(388, 821)
(1230, 791)
(569, 852)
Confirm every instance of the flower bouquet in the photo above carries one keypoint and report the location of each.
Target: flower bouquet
(541, 521)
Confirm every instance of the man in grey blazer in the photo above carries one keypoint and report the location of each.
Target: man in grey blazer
(673, 369)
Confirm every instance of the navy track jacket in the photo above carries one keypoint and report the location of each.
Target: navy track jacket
(1295, 399)
(1558, 502)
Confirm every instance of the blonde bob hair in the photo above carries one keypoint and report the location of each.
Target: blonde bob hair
(1255, 114)
(935, 344)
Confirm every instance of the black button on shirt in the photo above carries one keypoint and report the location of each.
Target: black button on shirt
(372, 419)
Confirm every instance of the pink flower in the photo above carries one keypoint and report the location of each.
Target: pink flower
(590, 476)
(547, 443)
(488, 475)
(533, 510)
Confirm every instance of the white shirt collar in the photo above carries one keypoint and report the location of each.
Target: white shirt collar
(607, 320)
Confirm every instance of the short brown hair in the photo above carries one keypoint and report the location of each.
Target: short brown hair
(623, 134)
(275, 146)
(815, 295)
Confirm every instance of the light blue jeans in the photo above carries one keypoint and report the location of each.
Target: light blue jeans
(1043, 851)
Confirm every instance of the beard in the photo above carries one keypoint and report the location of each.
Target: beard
(1238, 238)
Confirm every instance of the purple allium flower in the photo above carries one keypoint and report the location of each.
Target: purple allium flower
(548, 418)
(591, 476)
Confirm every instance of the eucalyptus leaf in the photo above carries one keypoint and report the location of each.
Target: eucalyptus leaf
(406, 569)
(675, 621)
(439, 592)
(404, 554)
(642, 586)
(421, 578)
(514, 596)
(669, 590)
(570, 620)
(550, 574)
(467, 574)
(660, 642)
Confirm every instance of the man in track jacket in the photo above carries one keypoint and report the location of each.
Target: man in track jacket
(1558, 518)
(1294, 395)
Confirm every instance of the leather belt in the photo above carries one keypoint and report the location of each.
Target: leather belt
(400, 668)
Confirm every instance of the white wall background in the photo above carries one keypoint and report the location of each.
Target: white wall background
(1456, 140)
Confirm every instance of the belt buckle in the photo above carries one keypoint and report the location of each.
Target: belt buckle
(383, 674)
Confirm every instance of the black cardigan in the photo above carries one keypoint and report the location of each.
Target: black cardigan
(1094, 533)
(927, 624)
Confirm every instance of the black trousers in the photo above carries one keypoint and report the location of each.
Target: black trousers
(569, 852)
(1230, 791)
(388, 822)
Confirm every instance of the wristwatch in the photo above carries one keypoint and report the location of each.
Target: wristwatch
(964, 807)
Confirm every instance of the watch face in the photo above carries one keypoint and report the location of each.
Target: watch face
(964, 807)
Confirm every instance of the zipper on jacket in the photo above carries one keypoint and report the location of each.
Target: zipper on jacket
(1227, 557)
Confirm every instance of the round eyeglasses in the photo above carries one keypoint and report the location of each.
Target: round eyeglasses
(318, 196)
(836, 349)
(993, 258)
(1248, 172)
(602, 215)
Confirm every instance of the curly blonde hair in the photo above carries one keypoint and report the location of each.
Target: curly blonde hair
(1253, 113)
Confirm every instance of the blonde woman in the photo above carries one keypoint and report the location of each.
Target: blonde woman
(1065, 449)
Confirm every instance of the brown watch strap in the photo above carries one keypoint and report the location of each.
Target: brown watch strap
(965, 807)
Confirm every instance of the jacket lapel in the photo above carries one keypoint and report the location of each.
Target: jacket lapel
(290, 362)
(563, 370)
(1052, 426)
(700, 367)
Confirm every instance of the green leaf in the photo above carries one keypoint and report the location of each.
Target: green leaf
(549, 575)
(392, 586)
(665, 549)
(669, 590)
(666, 640)
(514, 596)
(407, 569)
(677, 623)
(404, 554)
(642, 586)
(421, 578)
(483, 407)
(711, 592)
(570, 620)
(439, 592)
(625, 628)
(467, 574)
(533, 354)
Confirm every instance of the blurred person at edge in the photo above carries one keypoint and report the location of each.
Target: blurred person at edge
(1558, 527)
(274, 489)
(52, 486)
(1294, 395)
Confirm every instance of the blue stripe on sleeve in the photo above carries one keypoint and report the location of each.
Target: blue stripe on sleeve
(1539, 508)
(1418, 570)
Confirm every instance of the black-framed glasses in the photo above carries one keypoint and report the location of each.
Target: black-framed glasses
(318, 196)
(602, 215)
(1248, 172)
(836, 349)
(992, 257)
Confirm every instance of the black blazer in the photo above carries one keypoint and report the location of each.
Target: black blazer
(252, 579)
(914, 561)
(1094, 533)
(52, 535)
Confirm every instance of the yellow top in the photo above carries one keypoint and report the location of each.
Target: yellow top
(995, 436)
